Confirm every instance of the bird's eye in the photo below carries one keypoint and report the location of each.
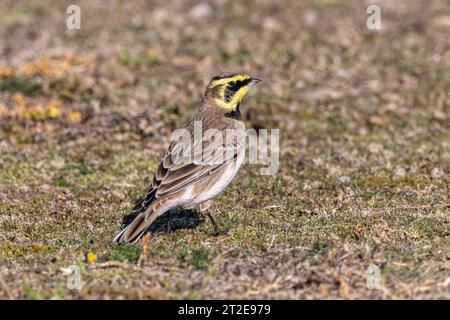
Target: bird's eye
(232, 83)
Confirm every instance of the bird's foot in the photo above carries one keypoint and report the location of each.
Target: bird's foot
(220, 232)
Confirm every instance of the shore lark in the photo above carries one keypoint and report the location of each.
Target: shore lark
(193, 183)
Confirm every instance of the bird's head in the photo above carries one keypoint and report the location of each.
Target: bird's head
(227, 90)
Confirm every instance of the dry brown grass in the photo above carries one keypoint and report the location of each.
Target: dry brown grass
(364, 172)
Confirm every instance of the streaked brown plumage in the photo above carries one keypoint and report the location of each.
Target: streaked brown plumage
(191, 184)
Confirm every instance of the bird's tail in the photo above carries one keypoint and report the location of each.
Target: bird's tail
(147, 211)
(134, 231)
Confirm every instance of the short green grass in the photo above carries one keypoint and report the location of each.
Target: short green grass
(364, 166)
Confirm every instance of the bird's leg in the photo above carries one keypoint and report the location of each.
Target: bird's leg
(217, 231)
(204, 207)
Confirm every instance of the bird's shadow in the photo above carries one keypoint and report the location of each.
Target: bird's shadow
(170, 221)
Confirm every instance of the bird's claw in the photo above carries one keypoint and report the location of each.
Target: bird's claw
(220, 232)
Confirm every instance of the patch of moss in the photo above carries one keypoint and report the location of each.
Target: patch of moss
(200, 258)
(125, 252)
(83, 169)
(135, 60)
(29, 293)
(60, 182)
(25, 85)
(18, 250)
(319, 246)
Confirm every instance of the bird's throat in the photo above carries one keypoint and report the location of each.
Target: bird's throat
(234, 113)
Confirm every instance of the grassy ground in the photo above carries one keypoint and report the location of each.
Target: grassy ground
(364, 173)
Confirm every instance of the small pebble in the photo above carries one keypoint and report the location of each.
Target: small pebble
(344, 179)
(437, 172)
(201, 11)
(374, 147)
(399, 172)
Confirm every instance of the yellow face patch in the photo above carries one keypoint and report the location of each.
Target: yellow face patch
(228, 92)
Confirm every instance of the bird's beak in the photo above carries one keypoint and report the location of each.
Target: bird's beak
(253, 81)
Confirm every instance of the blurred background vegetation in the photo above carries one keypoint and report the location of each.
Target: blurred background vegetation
(364, 173)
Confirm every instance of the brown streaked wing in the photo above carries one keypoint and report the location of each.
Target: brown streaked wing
(173, 177)
(198, 174)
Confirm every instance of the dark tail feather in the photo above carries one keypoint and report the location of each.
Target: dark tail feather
(134, 231)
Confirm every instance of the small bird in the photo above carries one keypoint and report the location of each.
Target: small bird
(191, 183)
